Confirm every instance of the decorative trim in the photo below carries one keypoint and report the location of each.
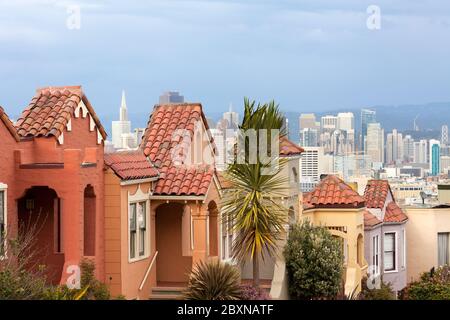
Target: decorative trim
(69, 125)
(81, 106)
(91, 123)
(136, 181)
(61, 138)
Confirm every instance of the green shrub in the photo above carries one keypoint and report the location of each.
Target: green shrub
(96, 290)
(385, 292)
(433, 285)
(213, 281)
(314, 262)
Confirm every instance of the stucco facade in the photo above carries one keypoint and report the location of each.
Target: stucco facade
(55, 181)
(425, 223)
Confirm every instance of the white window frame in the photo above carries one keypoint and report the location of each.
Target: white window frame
(4, 189)
(395, 253)
(137, 198)
(225, 252)
(404, 249)
(376, 252)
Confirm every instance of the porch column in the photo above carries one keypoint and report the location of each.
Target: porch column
(199, 221)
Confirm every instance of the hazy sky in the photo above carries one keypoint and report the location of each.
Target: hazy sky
(307, 55)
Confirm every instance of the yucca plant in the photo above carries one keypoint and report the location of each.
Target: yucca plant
(213, 280)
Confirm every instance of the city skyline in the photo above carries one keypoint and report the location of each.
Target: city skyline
(286, 55)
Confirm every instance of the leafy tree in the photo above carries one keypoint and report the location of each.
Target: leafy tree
(314, 262)
(250, 204)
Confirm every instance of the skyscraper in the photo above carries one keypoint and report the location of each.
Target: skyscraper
(307, 121)
(367, 116)
(444, 135)
(345, 121)
(435, 157)
(231, 117)
(375, 142)
(408, 148)
(171, 97)
(394, 147)
(420, 151)
(121, 130)
(309, 137)
(310, 168)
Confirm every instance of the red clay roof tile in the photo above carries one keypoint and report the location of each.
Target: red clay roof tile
(332, 192)
(376, 193)
(50, 111)
(289, 148)
(166, 142)
(184, 181)
(9, 125)
(394, 214)
(370, 220)
(129, 165)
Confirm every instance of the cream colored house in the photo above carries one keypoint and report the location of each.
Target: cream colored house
(340, 209)
(428, 234)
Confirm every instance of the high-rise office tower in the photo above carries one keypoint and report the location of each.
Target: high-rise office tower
(307, 121)
(367, 116)
(408, 148)
(328, 123)
(435, 157)
(444, 135)
(420, 151)
(394, 147)
(375, 142)
(345, 121)
(309, 137)
(171, 97)
(310, 167)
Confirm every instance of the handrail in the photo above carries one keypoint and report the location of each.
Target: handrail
(148, 271)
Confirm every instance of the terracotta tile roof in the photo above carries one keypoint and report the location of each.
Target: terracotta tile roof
(161, 135)
(289, 148)
(160, 139)
(184, 181)
(130, 165)
(50, 111)
(224, 183)
(332, 192)
(8, 124)
(370, 220)
(394, 214)
(376, 193)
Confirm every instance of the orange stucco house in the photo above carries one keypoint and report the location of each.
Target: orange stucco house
(161, 205)
(51, 176)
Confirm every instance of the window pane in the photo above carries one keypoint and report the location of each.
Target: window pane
(389, 261)
(443, 249)
(142, 216)
(142, 242)
(389, 242)
(133, 217)
(132, 244)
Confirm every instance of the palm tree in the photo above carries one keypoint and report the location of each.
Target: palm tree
(251, 204)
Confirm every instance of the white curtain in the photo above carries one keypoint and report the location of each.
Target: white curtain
(443, 250)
